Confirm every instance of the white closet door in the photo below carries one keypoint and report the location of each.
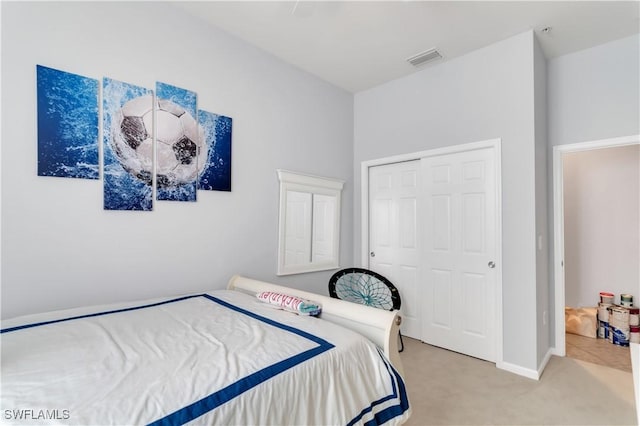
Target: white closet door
(393, 235)
(458, 302)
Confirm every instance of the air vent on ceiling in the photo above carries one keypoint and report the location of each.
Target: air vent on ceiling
(426, 56)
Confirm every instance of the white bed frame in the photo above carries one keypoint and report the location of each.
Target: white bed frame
(379, 326)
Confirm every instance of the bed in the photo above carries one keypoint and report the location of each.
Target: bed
(222, 357)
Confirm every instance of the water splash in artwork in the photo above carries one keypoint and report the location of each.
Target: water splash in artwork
(216, 174)
(67, 124)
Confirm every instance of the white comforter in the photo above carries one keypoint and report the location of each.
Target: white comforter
(222, 358)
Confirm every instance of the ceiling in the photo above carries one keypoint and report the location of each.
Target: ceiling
(357, 45)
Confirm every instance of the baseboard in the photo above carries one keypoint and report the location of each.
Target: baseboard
(520, 371)
(545, 361)
(527, 372)
(557, 352)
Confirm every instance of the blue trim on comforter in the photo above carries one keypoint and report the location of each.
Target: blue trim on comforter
(97, 314)
(389, 412)
(226, 394)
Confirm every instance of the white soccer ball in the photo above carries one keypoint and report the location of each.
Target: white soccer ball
(181, 150)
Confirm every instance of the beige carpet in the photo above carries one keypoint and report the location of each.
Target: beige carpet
(446, 388)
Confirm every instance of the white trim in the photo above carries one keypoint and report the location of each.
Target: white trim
(527, 372)
(297, 178)
(301, 182)
(558, 250)
(635, 371)
(496, 145)
(364, 214)
(558, 225)
(544, 362)
(521, 371)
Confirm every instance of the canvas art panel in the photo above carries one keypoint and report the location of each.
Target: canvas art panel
(67, 124)
(127, 146)
(216, 173)
(162, 143)
(179, 142)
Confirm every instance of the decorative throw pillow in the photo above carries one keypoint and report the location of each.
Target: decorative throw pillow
(290, 303)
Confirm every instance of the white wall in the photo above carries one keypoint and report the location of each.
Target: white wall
(602, 217)
(61, 249)
(542, 229)
(483, 95)
(592, 94)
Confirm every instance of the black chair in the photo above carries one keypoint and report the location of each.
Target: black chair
(366, 287)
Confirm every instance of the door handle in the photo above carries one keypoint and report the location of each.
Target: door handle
(491, 264)
(372, 254)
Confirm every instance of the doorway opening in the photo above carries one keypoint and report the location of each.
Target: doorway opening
(593, 232)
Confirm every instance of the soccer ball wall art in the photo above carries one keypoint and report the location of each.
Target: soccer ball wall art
(160, 141)
(180, 144)
(132, 137)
